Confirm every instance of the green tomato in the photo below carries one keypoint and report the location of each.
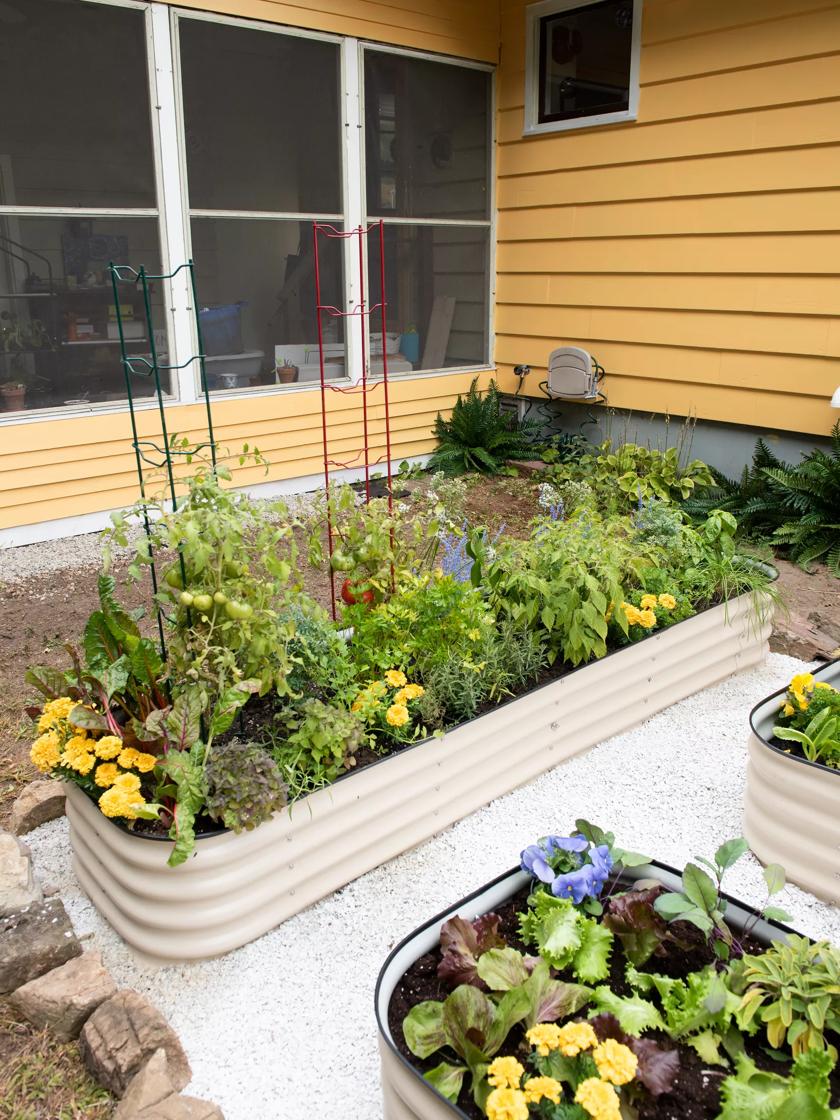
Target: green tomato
(220, 598)
(341, 562)
(235, 609)
(202, 602)
(186, 599)
(174, 578)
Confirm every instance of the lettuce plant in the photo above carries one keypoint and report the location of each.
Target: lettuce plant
(753, 1094)
(566, 938)
(462, 943)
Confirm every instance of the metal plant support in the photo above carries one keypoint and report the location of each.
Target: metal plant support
(365, 384)
(150, 453)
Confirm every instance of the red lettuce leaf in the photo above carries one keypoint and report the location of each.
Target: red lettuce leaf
(658, 1068)
(462, 943)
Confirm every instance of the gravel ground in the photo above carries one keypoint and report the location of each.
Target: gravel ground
(285, 1026)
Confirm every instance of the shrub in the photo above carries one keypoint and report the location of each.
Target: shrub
(478, 436)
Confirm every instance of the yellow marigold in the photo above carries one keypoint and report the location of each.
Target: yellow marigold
(108, 747)
(414, 691)
(631, 613)
(505, 1073)
(54, 711)
(79, 743)
(357, 705)
(127, 783)
(667, 601)
(575, 1038)
(616, 1063)
(542, 1088)
(106, 774)
(599, 1099)
(788, 709)
(78, 755)
(507, 1104)
(397, 715)
(116, 802)
(648, 602)
(544, 1037)
(45, 751)
(396, 678)
(133, 759)
(647, 619)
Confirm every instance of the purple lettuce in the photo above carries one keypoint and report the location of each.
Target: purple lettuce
(462, 943)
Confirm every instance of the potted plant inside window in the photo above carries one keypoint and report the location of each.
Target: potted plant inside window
(287, 372)
(18, 340)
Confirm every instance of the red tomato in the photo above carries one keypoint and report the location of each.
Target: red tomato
(347, 592)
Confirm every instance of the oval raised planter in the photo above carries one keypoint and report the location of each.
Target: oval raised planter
(236, 888)
(792, 806)
(406, 1093)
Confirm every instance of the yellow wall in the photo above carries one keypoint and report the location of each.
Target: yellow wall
(695, 252)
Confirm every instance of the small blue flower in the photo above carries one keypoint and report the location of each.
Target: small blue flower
(534, 862)
(576, 843)
(575, 885)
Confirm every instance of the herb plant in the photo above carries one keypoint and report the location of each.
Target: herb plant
(244, 786)
(478, 436)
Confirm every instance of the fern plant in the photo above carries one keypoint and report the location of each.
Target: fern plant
(478, 436)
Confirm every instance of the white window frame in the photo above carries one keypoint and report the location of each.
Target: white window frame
(488, 223)
(155, 58)
(533, 15)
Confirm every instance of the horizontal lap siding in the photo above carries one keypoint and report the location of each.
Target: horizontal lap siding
(65, 468)
(695, 252)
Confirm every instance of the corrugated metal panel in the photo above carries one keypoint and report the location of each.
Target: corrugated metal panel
(238, 887)
(792, 809)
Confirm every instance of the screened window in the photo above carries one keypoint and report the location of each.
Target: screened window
(427, 162)
(75, 134)
(263, 148)
(582, 65)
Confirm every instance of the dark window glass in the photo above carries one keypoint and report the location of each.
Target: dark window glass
(75, 127)
(585, 61)
(427, 130)
(256, 287)
(59, 340)
(436, 284)
(261, 120)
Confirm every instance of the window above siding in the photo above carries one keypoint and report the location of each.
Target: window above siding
(582, 64)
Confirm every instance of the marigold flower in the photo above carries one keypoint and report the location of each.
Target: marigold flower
(505, 1073)
(116, 802)
(631, 613)
(544, 1037)
(574, 1038)
(542, 1088)
(599, 1099)
(144, 762)
(45, 751)
(397, 715)
(108, 747)
(648, 602)
(54, 711)
(667, 601)
(507, 1104)
(396, 678)
(357, 705)
(128, 783)
(78, 754)
(616, 1062)
(106, 774)
(647, 619)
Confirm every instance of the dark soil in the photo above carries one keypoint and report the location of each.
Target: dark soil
(696, 1092)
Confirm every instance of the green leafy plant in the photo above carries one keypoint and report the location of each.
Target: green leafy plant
(320, 742)
(566, 938)
(794, 990)
(318, 654)
(820, 739)
(244, 785)
(701, 901)
(754, 1094)
(478, 436)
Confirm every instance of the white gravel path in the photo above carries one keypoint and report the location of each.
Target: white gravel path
(283, 1029)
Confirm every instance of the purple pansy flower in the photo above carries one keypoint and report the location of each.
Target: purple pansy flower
(575, 885)
(534, 862)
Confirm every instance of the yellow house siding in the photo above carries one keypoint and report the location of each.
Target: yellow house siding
(468, 28)
(64, 468)
(695, 252)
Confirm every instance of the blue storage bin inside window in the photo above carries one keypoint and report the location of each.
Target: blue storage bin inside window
(221, 329)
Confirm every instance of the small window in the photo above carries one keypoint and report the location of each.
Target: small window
(582, 66)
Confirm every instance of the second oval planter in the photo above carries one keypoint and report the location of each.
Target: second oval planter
(236, 888)
(792, 806)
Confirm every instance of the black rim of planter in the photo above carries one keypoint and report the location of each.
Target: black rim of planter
(824, 670)
(769, 568)
(384, 1032)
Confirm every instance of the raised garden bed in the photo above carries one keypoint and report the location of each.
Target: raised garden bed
(237, 887)
(792, 806)
(409, 976)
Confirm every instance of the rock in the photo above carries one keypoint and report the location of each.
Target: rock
(828, 625)
(528, 466)
(34, 940)
(798, 637)
(66, 996)
(149, 1086)
(40, 802)
(120, 1037)
(17, 883)
(181, 1108)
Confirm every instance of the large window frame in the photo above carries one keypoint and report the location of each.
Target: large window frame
(173, 212)
(534, 14)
